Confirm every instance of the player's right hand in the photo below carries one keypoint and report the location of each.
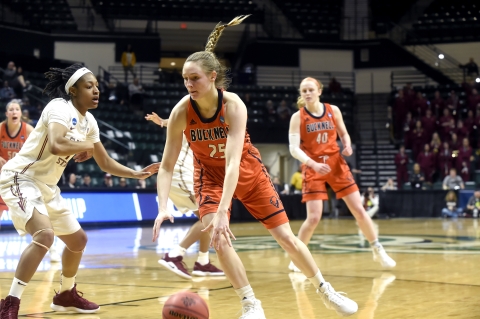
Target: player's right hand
(162, 215)
(156, 119)
(321, 168)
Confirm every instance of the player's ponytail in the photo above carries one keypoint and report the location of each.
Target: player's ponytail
(207, 58)
(300, 101)
(57, 79)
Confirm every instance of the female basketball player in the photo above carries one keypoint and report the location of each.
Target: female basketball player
(316, 125)
(181, 194)
(13, 134)
(28, 184)
(227, 165)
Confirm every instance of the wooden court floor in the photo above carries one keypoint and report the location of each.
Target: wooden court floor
(437, 273)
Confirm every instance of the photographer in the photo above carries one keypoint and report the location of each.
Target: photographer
(370, 202)
(473, 205)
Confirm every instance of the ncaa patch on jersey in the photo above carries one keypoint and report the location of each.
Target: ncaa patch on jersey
(74, 121)
(222, 120)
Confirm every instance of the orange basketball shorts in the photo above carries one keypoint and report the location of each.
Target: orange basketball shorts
(254, 189)
(340, 180)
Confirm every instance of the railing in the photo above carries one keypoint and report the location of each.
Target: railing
(290, 77)
(416, 78)
(146, 74)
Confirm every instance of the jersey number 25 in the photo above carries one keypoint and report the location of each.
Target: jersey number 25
(220, 148)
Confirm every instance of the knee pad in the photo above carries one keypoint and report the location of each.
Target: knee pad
(38, 232)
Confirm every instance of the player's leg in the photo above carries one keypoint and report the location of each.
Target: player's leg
(53, 252)
(367, 227)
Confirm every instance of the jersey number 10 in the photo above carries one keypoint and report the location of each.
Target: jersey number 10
(322, 138)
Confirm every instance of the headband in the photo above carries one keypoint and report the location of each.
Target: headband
(74, 78)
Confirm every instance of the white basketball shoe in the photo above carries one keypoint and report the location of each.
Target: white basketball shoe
(381, 256)
(336, 300)
(293, 268)
(54, 255)
(252, 309)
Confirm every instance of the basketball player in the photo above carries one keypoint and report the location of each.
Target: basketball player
(181, 194)
(13, 133)
(28, 184)
(313, 141)
(227, 165)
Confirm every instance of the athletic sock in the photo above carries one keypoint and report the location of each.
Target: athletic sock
(375, 243)
(177, 251)
(17, 288)
(203, 258)
(317, 280)
(245, 293)
(66, 283)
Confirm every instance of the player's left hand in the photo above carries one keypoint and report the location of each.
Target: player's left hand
(219, 226)
(347, 151)
(83, 156)
(147, 171)
(156, 119)
(162, 215)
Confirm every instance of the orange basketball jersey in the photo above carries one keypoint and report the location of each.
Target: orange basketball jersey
(208, 137)
(318, 134)
(11, 145)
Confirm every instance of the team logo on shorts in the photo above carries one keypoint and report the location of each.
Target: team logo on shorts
(222, 120)
(274, 201)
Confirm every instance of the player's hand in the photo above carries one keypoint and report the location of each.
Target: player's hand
(321, 168)
(219, 226)
(347, 151)
(162, 215)
(2, 162)
(83, 156)
(147, 171)
(156, 119)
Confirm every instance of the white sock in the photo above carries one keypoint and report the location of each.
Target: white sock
(203, 258)
(66, 283)
(317, 280)
(17, 288)
(177, 251)
(375, 243)
(245, 292)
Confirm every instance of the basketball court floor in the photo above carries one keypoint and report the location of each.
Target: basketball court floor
(437, 273)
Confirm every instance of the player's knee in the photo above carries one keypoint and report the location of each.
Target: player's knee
(79, 243)
(314, 219)
(287, 242)
(44, 238)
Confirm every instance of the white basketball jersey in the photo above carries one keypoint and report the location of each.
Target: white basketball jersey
(35, 159)
(185, 158)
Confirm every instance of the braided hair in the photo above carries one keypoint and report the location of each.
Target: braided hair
(209, 60)
(57, 79)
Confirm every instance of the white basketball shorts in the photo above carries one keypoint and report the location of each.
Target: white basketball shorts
(181, 190)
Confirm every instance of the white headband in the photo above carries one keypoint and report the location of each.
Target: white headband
(74, 78)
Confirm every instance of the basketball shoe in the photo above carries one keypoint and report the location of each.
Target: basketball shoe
(252, 309)
(381, 256)
(336, 300)
(206, 270)
(71, 300)
(54, 255)
(9, 308)
(175, 265)
(293, 268)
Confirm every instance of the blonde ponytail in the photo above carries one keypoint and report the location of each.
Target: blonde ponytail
(300, 102)
(207, 58)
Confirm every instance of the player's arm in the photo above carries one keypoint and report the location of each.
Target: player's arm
(59, 145)
(156, 119)
(342, 132)
(173, 145)
(29, 130)
(109, 165)
(2, 160)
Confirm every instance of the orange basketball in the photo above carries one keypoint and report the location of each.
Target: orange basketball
(185, 305)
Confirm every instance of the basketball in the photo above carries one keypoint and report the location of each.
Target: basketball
(185, 305)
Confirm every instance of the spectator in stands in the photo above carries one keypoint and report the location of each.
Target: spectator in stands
(26, 117)
(87, 181)
(141, 185)
(279, 187)
(419, 139)
(429, 123)
(270, 112)
(461, 131)
(122, 183)
(334, 86)
(436, 144)
(451, 202)
(106, 88)
(409, 94)
(453, 103)
(128, 61)
(72, 180)
(7, 93)
(454, 143)
(389, 185)
(471, 68)
(445, 160)
(437, 104)
(14, 77)
(247, 100)
(465, 153)
(296, 181)
(469, 122)
(445, 124)
(453, 181)
(283, 112)
(465, 171)
(417, 177)
(400, 110)
(370, 202)
(473, 205)
(408, 126)
(473, 100)
(401, 162)
(426, 160)
(420, 105)
(136, 92)
(107, 181)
